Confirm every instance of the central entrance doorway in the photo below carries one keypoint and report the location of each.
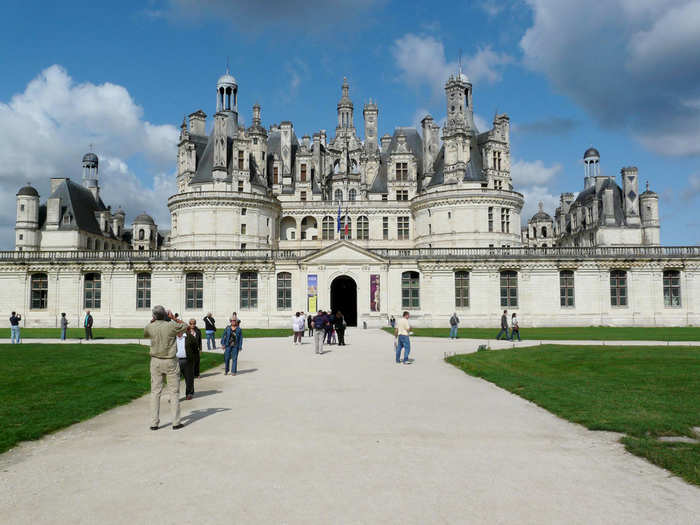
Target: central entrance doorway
(344, 298)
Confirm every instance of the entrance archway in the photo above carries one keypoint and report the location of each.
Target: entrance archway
(344, 298)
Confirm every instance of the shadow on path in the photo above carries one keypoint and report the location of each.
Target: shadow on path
(201, 376)
(248, 371)
(198, 414)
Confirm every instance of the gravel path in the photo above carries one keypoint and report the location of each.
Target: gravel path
(346, 437)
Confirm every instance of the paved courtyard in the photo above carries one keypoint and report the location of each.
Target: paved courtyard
(347, 437)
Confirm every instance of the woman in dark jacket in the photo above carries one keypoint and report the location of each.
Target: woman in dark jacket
(193, 345)
(198, 334)
(339, 324)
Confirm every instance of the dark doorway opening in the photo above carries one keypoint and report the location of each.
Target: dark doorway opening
(344, 298)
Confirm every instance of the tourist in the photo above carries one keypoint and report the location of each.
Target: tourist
(454, 324)
(210, 331)
(231, 341)
(392, 322)
(15, 335)
(234, 316)
(298, 322)
(195, 332)
(514, 328)
(504, 325)
(340, 326)
(310, 323)
(402, 334)
(328, 327)
(64, 326)
(319, 323)
(88, 325)
(164, 363)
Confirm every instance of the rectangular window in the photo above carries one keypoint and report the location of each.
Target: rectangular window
(240, 159)
(302, 195)
(92, 294)
(275, 175)
(327, 228)
(402, 228)
(194, 291)
(249, 290)
(302, 175)
(402, 171)
(402, 195)
(490, 219)
(503, 219)
(284, 291)
(672, 288)
(509, 289)
(566, 288)
(462, 289)
(385, 197)
(244, 211)
(363, 228)
(243, 229)
(143, 290)
(40, 291)
(410, 290)
(385, 228)
(240, 185)
(618, 288)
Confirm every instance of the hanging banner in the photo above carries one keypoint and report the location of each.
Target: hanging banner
(374, 293)
(312, 293)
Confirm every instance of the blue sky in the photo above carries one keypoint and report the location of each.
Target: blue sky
(624, 78)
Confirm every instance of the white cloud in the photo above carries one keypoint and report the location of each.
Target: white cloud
(629, 63)
(45, 130)
(533, 195)
(693, 188)
(526, 173)
(421, 61)
(492, 7)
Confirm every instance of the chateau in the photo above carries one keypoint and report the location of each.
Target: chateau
(266, 223)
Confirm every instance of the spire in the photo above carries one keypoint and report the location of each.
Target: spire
(541, 206)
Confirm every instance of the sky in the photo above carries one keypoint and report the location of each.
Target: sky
(623, 77)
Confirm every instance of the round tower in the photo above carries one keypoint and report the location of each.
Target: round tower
(591, 167)
(649, 212)
(27, 224)
(144, 233)
(227, 93)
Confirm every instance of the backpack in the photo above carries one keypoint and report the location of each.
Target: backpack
(453, 321)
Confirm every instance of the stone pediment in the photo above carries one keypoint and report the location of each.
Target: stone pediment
(343, 252)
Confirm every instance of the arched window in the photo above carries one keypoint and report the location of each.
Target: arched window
(352, 195)
(249, 290)
(544, 230)
(142, 234)
(362, 228)
(509, 288)
(410, 290)
(194, 291)
(98, 244)
(461, 289)
(338, 195)
(345, 227)
(143, 290)
(92, 291)
(89, 244)
(40, 290)
(327, 226)
(284, 291)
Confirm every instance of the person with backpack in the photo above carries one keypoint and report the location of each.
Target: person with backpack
(15, 318)
(319, 323)
(340, 325)
(210, 331)
(514, 328)
(454, 324)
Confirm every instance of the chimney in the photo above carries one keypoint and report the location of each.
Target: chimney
(56, 182)
(256, 115)
(286, 147)
(53, 213)
(198, 121)
(91, 184)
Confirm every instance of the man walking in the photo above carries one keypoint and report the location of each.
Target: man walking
(319, 323)
(64, 326)
(454, 324)
(402, 333)
(162, 331)
(504, 325)
(88, 325)
(15, 335)
(210, 331)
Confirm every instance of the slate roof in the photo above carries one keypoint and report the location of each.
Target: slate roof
(77, 201)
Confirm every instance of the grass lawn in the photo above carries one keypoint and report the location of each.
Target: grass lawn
(128, 333)
(591, 333)
(642, 392)
(47, 387)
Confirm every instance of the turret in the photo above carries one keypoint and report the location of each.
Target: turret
(591, 167)
(649, 212)
(118, 223)
(431, 143)
(198, 123)
(346, 125)
(27, 224)
(91, 174)
(144, 235)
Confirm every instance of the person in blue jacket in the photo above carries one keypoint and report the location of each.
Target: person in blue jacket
(232, 342)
